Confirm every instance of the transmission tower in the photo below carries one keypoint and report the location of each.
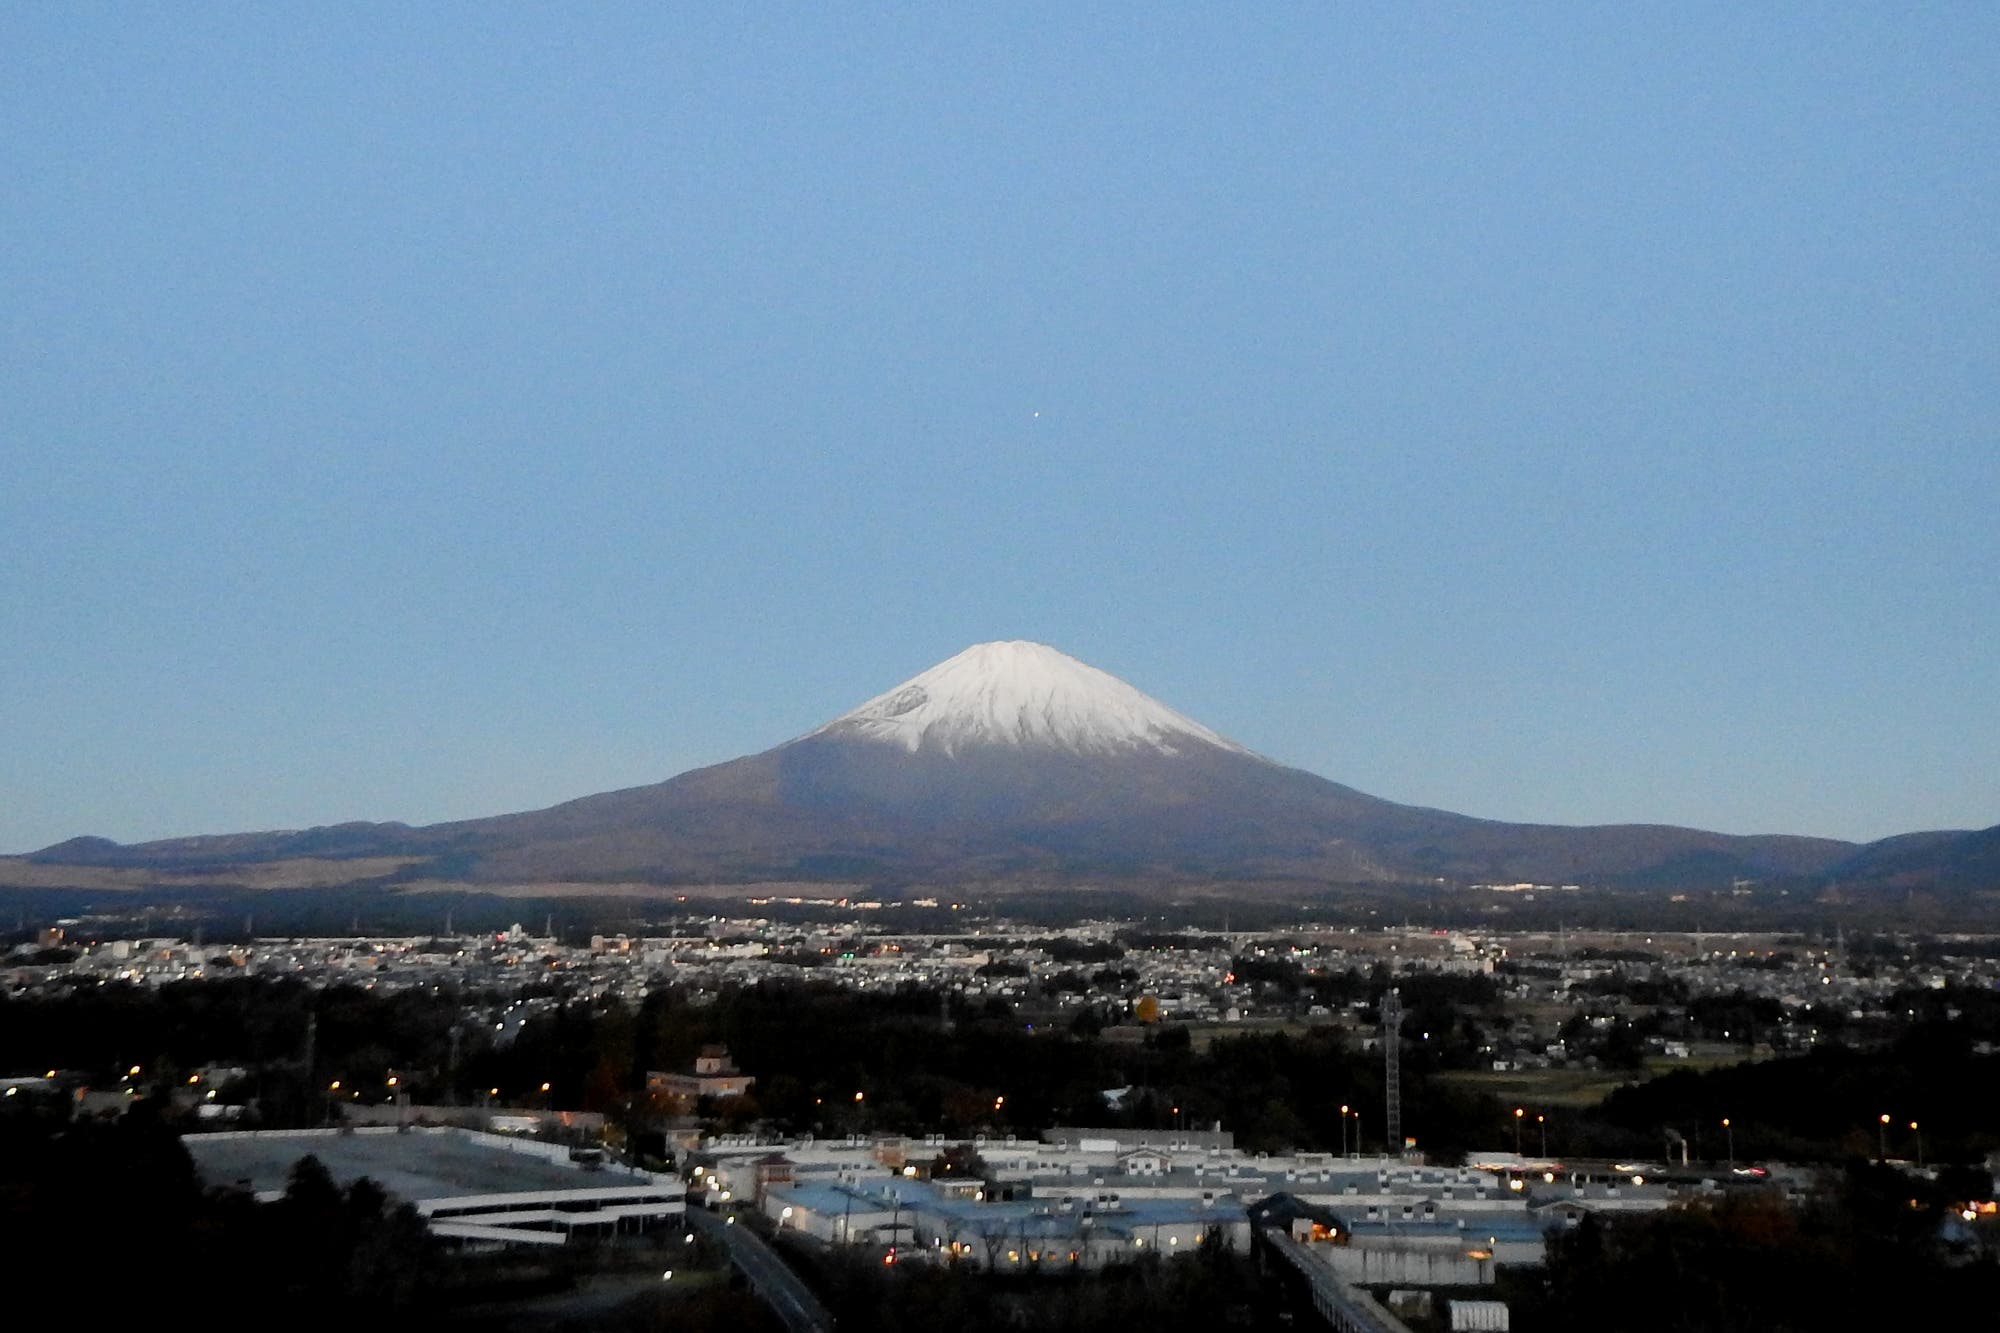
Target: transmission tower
(1392, 1066)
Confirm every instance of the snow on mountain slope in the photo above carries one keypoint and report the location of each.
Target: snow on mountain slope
(1024, 695)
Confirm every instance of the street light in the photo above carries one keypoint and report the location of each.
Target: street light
(1731, 1132)
(1343, 1129)
(1920, 1144)
(1882, 1138)
(1542, 1123)
(1519, 1114)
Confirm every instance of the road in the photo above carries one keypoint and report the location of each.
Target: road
(775, 1284)
(1347, 1308)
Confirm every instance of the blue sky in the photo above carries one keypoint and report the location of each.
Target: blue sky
(1576, 414)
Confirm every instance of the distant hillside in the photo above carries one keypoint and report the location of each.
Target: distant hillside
(1949, 861)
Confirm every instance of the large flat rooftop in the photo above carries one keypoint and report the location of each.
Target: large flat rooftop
(413, 1166)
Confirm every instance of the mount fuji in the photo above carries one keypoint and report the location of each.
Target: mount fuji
(1010, 763)
(1022, 695)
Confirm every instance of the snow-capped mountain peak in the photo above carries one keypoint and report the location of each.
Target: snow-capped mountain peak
(1025, 695)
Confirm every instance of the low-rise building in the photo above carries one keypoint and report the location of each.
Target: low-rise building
(714, 1075)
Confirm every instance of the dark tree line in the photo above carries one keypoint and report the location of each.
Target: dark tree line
(91, 1212)
(1826, 1105)
(812, 1046)
(1208, 1290)
(1874, 1251)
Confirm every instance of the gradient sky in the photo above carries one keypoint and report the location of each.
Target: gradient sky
(1573, 414)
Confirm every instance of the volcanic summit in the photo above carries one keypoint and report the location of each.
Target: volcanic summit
(1019, 694)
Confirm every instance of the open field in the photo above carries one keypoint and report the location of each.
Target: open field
(1542, 1087)
(1569, 1087)
(1203, 1035)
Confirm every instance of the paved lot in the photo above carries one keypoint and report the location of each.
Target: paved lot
(412, 1166)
